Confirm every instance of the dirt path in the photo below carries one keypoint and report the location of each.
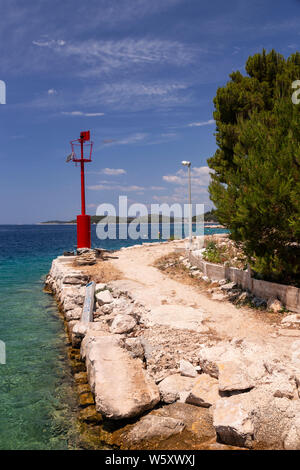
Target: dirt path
(179, 305)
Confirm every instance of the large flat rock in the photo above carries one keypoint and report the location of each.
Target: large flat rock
(178, 316)
(233, 376)
(121, 385)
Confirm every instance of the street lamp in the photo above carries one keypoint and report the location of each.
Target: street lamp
(188, 164)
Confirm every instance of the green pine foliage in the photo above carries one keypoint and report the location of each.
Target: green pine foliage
(256, 179)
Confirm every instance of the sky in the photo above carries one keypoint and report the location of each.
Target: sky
(141, 75)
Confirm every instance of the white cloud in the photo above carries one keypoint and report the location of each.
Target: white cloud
(202, 123)
(131, 139)
(133, 96)
(113, 186)
(49, 43)
(200, 178)
(80, 113)
(116, 187)
(113, 171)
(157, 188)
(106, 56)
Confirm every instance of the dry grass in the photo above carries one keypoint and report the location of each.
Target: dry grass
(102, 271)
(172, 266)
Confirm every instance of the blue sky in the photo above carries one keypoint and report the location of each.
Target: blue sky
(140, 74)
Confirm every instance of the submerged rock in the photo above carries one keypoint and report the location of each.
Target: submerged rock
(153, 426)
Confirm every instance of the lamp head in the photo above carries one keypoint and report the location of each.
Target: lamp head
(185, 163)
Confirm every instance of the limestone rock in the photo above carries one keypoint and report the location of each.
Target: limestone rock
(135, 347)
(78, 333)
(292, 439)
(104, 297)
(171, 387)
(122, 324)
(228, 286)
(209, 357)
(177, 316)
(100, 286)
(153, 426)
(187, 369)
(256, 418)
(282, 387)
(233, 377)
(81, 329)
(274, 305)
(218, 296)
(86, 399)
(121, 386)
(90, 415)
(197, 420)
(243, 298)
(232, 421)
(80, 378)
(107, 309)
(76, 279)
(74, 314)
(205, 392)
(86, 258)
(291, 320)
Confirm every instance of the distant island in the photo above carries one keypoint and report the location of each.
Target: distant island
(95, 219)
(154, 218)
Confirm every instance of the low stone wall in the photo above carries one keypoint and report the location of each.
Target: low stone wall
(289, 296)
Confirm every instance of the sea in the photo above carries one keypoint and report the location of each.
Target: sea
(38, 406)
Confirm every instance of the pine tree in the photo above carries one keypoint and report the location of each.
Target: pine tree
(256, 179)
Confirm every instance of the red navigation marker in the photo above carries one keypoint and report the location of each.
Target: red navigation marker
(82, 149)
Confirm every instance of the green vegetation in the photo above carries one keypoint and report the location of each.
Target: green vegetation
(224, 252)
(213, 253)
(256, 181)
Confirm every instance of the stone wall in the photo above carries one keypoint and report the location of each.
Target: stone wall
(289, 296)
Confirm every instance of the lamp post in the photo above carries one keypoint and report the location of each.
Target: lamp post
(188, 164)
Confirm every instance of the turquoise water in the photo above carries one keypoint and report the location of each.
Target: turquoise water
(37, 401)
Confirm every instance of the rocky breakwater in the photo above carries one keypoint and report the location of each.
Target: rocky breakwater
(166, 383)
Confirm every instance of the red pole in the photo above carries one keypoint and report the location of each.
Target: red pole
(83, 220)
(82, 182)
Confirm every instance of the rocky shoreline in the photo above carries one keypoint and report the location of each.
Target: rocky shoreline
(153, 378)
